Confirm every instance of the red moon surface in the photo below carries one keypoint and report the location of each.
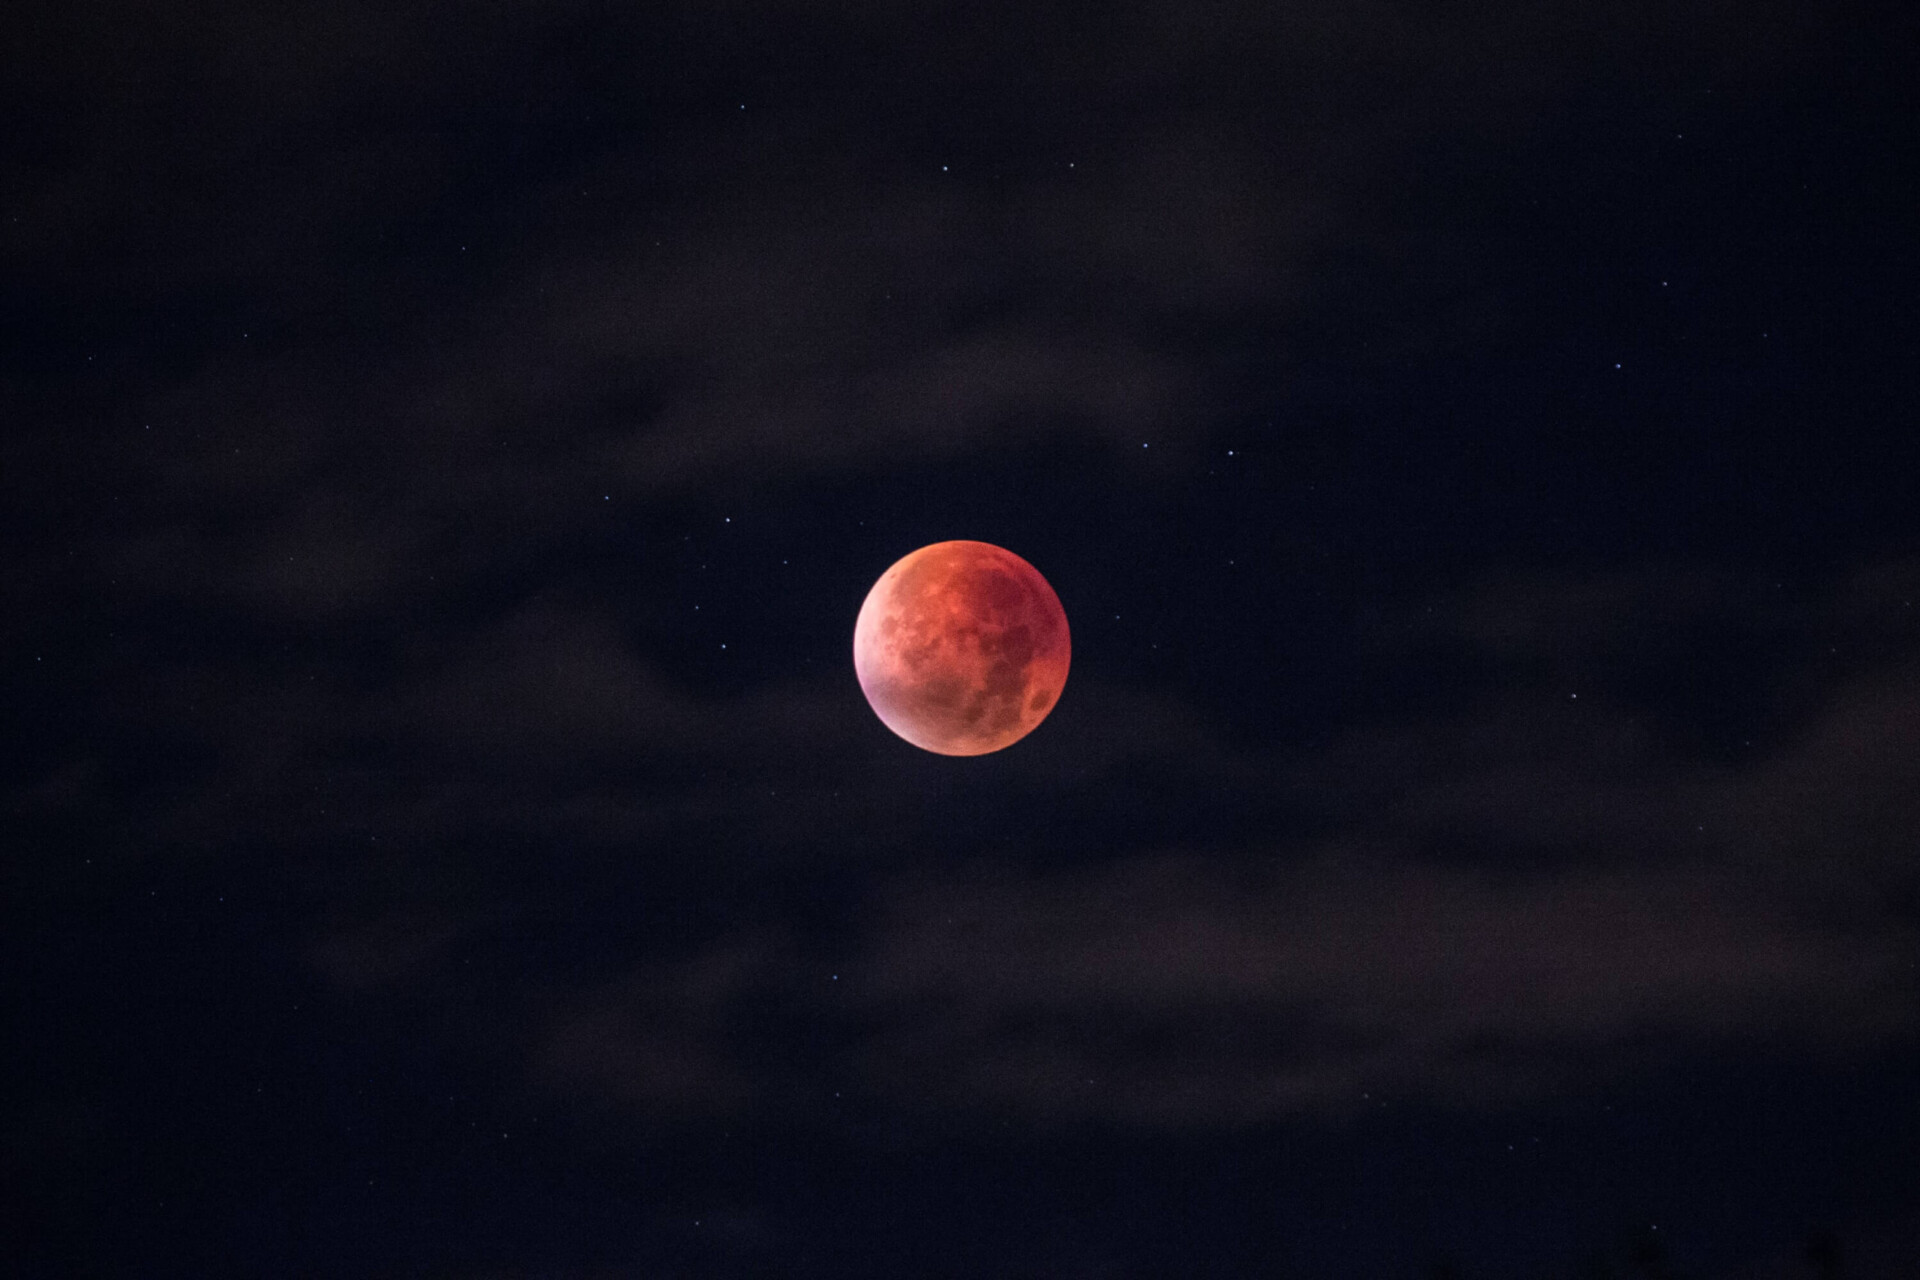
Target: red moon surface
(961, 648)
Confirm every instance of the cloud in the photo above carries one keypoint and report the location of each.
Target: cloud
(1165, 991)
(384, 952)
(385, 373)
(1635, 714)
(545, 680)
(661, 1039)
(365, 510)
(1526, 899)
(1181, 990)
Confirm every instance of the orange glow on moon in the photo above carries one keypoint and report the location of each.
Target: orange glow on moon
(961, 648)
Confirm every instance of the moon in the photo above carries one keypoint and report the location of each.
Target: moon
(961, 648)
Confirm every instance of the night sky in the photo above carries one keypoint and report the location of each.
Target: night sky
(446, 448)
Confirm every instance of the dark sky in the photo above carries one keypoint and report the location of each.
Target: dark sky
(446, 447)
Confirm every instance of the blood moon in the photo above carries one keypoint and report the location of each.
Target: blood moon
(961, 648)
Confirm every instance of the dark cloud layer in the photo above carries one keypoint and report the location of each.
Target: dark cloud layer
(1541, 895)
(447, 447)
